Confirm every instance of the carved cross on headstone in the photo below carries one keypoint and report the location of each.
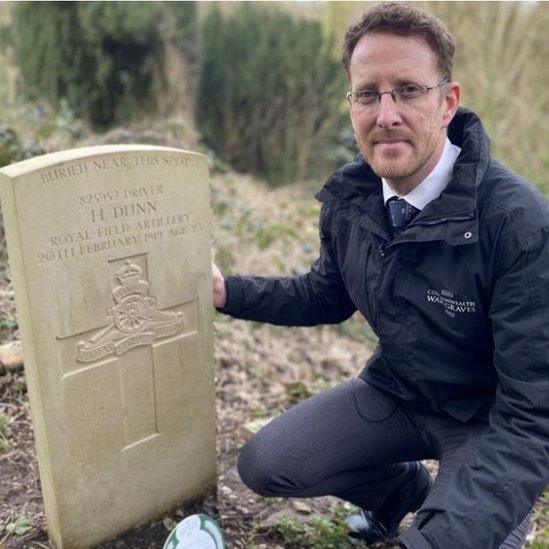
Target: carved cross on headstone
(137, 326)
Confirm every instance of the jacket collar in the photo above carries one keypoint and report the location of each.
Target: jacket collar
(357, 190)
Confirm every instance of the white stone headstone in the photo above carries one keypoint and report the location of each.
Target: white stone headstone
(109, 250)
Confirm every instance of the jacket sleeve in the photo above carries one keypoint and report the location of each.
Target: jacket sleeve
(318, 297)
(489, 498)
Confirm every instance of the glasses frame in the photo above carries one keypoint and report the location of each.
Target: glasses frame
(394, 92)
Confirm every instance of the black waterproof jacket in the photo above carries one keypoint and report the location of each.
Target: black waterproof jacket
(460, 303)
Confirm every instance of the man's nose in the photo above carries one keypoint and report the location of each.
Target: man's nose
(388, 114)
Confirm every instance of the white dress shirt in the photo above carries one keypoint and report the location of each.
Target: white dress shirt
(431, 187)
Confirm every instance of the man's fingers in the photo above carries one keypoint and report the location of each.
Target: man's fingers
(219, 292)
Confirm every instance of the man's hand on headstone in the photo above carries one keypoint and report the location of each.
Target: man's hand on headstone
(219, 292)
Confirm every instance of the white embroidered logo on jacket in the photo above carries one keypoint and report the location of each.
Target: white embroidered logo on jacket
(451, 305)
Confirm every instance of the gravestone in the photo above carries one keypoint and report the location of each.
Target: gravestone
(110, 257)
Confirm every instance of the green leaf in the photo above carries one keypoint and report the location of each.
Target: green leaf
(8, 324)
(19, 527)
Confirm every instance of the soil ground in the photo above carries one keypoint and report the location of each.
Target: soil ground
(248, 521)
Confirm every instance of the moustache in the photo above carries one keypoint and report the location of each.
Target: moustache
(388, 135)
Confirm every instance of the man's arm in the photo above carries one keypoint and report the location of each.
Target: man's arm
(318, 297)
(511, 465)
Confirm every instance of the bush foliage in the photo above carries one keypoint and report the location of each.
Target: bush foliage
(270, 96)
(104, 58)
(11, 149)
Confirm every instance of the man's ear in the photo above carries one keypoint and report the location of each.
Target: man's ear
(451, 99)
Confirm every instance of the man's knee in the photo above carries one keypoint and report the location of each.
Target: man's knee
(260, 469)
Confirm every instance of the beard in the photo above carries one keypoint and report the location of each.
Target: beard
(403, 161)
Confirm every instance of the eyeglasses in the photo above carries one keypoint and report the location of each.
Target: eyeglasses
(408, 92)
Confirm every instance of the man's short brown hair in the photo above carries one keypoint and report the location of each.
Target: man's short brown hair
(404, 20)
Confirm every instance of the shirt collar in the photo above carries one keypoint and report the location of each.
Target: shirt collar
(431, 187)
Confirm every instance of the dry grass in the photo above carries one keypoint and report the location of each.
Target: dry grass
(500, 61)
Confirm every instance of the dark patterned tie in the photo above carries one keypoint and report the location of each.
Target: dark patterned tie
(400, 213)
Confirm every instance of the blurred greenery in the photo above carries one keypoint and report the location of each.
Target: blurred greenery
(106, 59)
(270, 94)
(262, 80)
(10, 146)
(500, 61)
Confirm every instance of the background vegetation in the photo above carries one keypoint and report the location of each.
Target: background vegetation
(259, 84)
(106, 59)
(270, 93)
(500, 61)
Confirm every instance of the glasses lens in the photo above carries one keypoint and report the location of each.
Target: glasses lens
(411, 91)
(365, 97)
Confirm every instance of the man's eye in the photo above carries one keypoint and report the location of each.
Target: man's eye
(366, 95)
(410, 90)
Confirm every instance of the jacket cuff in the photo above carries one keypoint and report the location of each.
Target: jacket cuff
(233, 289)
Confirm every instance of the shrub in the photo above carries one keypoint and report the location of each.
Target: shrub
(13, 149)
(10, 146)
(270, 94)
(105, 58)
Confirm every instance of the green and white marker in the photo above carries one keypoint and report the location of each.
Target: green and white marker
(196, 532)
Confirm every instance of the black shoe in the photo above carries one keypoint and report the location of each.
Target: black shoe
(382, 524)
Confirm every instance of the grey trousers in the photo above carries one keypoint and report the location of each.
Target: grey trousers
(351, 442)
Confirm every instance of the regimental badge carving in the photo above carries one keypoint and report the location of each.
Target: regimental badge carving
(136, 319)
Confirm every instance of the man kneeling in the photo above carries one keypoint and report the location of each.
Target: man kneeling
(445, 252)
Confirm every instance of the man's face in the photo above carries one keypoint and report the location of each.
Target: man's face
(401, 141)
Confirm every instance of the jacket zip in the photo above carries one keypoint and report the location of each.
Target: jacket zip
(444, 219)
(376, 301)
(430, 223)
